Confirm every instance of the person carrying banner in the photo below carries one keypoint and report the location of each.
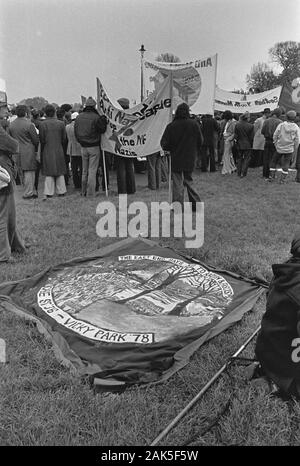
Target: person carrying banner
(183, 138)
(10, 239)
(267, 130)
(243, 133)
(125, 165)
(89, 126)
(277, 347)
(286, 139)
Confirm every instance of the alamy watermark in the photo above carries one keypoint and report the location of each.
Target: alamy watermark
(139, 219)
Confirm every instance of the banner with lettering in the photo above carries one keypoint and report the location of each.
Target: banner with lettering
(135, 132)
(193, 82)
(253, 103)
(132, 312)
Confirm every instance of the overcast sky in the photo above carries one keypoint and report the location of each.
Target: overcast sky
(57, 48)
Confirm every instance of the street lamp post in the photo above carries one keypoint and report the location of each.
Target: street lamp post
(142, 50)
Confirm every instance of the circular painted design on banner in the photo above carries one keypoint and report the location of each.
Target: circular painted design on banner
(135, 298)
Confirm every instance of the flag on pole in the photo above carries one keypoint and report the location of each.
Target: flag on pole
(135, 132)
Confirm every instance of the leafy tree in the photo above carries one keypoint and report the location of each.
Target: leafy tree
(168, 57)
(287, 56)
(261, 78)
(34, 102)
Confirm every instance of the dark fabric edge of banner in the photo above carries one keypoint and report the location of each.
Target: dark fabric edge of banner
(61, 349)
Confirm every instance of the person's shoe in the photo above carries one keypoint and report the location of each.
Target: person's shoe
(61, 195)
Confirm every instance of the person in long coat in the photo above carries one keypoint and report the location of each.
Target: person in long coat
(53, 138)
(183, 138)
(10, 239)
(24, 131)
(228, 134)
(244, 133)
(259, 139)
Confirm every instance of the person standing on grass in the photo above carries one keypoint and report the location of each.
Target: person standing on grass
(125, 165)
(53, 138)
(89, 126)
(74, 152)
(10, 240)
(268, 128)
(24, 131)
(183, 138)
(286, 140)
(209, 128)
(243, 133)
(259, 139)
(228, 135)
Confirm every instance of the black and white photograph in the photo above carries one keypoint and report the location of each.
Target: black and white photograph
(149, 229)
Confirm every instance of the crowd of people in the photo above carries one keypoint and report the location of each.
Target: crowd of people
(63, 145)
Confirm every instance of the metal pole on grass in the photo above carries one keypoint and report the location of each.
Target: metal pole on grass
(104, 172)
(169, 156)
(202, 391)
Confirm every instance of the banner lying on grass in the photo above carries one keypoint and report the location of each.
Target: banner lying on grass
(193, 82)
(135, 132)
(253, 103)
(132, 312)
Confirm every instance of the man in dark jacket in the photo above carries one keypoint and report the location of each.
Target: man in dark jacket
(267, 131)
(243, 134)
(209, 128)
(24, 131)
(88, 129)
(182, 138)
(278, 343)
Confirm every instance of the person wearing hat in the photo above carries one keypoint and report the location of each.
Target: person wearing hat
(125, 165)
(89, 126)
(268, 128)
(277, 346)
(74, 152)
(286, 140)
(243, 134)
(10, 239)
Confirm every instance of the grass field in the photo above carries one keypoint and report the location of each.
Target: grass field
(249, 225)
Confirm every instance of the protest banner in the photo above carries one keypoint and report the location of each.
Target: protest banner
(193, 82)
(135, 132)
(253, 103)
